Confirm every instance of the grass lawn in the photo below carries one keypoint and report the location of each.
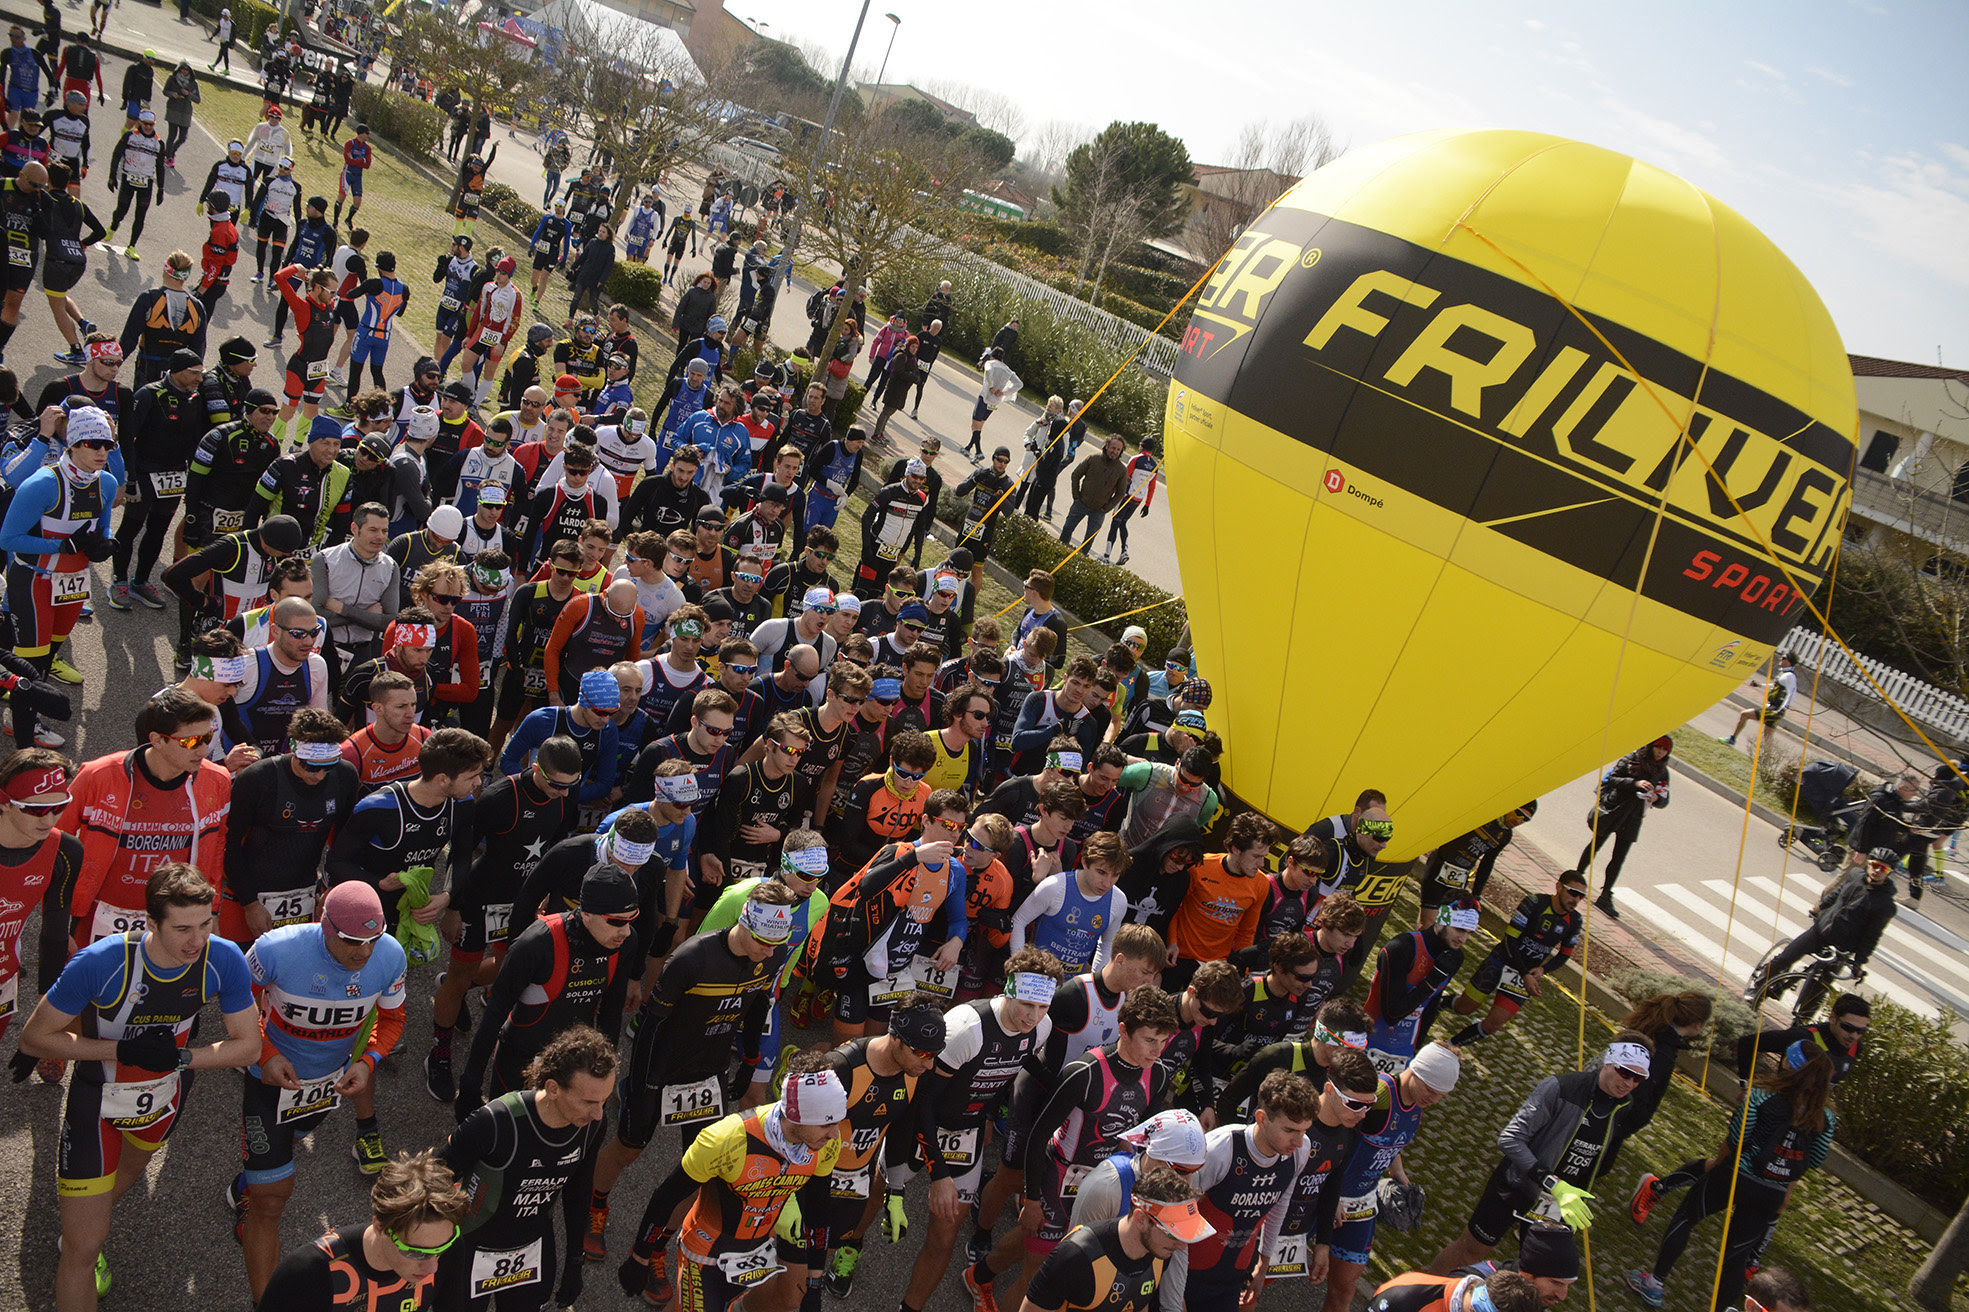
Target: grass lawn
(1729, 765)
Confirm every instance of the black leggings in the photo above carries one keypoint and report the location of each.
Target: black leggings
(151, 516)
(1118, 526)
(1621, 842)
(125, 193)
(174, 137)
(270, 232)
(1752, 1219)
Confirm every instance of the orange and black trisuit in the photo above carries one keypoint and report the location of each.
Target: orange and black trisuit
(1090, 1270)
(333, 1275)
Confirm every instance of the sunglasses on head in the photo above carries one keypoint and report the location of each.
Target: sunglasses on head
(42, 808)
(1350, 1102)
(1381, 829)
(414, 1251)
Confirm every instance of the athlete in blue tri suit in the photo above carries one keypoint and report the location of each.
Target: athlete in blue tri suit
(676, 834)
(122, 1011)
(333, 996)
(383, 296)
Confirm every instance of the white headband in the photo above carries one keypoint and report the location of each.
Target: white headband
(318, 753)
(1627, 1056)
(1030, 986)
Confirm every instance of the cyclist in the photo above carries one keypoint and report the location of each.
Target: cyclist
(986, 1044)
(1540, 939)
(1557, 1143)
(711, 996)
(284, 810)
(739, 1177)
(332, 993)
(1850, 917)
(516, 1155)
(1385, 1132)
(417, 1212)
(1118, 1266)
(122, 1010)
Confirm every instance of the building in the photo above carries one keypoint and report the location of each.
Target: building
(1222, 201)
(876, 97)
(711, 35)
(1912, 483)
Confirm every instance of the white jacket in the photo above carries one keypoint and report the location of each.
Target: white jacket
(267, 143)
(1000, 383)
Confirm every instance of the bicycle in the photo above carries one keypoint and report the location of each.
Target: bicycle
(1816, 978)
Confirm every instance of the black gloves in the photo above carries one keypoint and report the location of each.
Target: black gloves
(153, 1050)
(467, 1102)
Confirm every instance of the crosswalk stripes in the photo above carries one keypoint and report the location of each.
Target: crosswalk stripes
(1699, 915)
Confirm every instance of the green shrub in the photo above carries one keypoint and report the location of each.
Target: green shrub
(635, 285)
(1904, 1108)
(409, 124)
(1730, 1021)
(250, 20)
(507, 204)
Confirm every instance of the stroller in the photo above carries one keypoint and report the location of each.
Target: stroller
(1822, 792)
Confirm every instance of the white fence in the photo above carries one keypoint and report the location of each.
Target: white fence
(1157, 359)
(1924, 703)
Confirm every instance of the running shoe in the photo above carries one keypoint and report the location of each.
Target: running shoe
(119, 595)
(657, 1290)
(73, 356)
(1645, 1284)
(236, 1200)
(369, 1154)
(982, 1297)
(438, 1078)
(1646, 1195)
(130, 253)
(841, 1269)
(594, 1244)
(46, 737)
(256, 278)
(88, 610)
(1121, 559)
(149, 594)
(62, 670)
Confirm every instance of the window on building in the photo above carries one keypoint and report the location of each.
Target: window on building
(1880, 452)
(1960, 491)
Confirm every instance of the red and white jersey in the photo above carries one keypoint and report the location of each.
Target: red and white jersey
(347, 264)
(500, 309)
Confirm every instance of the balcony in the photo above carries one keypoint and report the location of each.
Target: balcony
(1935, 519)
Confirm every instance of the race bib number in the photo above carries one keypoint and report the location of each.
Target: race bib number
(133, 1104)
(1071, 1178)
(1458, 877)
(494, 1269)
(497, 917)
(1388, 1063)
(228, 521)
(311, 1099)
(542, 247)
(1512, 984)
(1362, 1207)
(888, 992)
(168, 483)
(688, 1104)
(852, 1184)
(294, 907)
(959, 1148)
(449, 304)
(10, 993)
(1288, 1258)
(114, 922)
(535, 680)
(941, 983)
(67, 589)
(317, 370)
(736, 870)
(749, 1267)
(20, 257)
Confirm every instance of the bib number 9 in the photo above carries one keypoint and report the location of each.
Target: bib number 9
(134, 1104)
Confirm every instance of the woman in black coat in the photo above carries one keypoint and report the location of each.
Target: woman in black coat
(1636, 785)
(695, 307)
(591, 269)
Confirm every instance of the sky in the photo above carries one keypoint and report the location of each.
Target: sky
(1839, 127)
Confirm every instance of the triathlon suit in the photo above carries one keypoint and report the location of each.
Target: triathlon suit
(276, 695)
(530, 624)
(589, 635)
(513, 1166)
(43, 875)
(1388, 1129)
(332, 1275)
(307, 368)
(377, 763)
(276, 834)
(141, 824)
(966, 1089)
(664, 687)
(707, 998)
(1090, 1271)
(555, 976)
(516, 824)
(751, 796)
(1309, 1217)
(600, 752)
(824, 748)
(321, 1016)
(498, 318)
(1096, 1099)
(1539, 935)
(120, 993)
(456, 274)
(356, 159)
(1408, 962)
(45, 585)
(876, 1103)
(1244, 1197)
(388, 833)
(377, 321)
(350, 269)
(558, 513)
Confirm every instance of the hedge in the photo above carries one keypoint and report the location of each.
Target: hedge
(1914, 1073)
(1147, 286)
(409, 124)
(1084, 586)
(636, 286)
(508, 205)
(250, 20)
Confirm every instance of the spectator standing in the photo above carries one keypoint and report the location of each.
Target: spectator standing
(1098, 484)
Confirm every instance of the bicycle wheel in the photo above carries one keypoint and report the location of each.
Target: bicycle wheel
(1812, 992)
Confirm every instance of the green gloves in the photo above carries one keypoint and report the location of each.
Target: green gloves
(895, 1221)
(1574, 1204)
(421, 943)
(791, 1225)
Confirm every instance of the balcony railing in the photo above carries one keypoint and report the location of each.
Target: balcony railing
(1927, 515)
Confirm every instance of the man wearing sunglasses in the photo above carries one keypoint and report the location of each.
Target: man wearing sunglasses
(960, 743)
(1839, 1038)
(1170, 1140)
(1213, 994)
(1158, 794)
(284, 676)
(1359, 869)
(791, 582)
(135, 811)
(657, 591)
(1462, 866)
(56, 527)
(530, 625)
(1411, 977)
(284, 808)
(1348, 1090)
(885, 806)
(1540, 939)
(418, 1213)
(1850, 916)
(742, 836)
(1339, 1026)
(1278, 1002)
(321, 986)
(589, 724)
(1556, 1145)
(804, 625)
(750, 606)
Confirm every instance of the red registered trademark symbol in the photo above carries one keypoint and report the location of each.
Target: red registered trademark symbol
(1335, 481)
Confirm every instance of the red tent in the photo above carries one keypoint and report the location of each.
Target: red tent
(511, 30)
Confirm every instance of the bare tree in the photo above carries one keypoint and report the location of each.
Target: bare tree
(992, 109)
(1267, 159)
(486, 68)
(1052, 143)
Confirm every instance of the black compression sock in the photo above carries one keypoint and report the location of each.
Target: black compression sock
(1468, 1035)
(6, 333)
(365, 1125)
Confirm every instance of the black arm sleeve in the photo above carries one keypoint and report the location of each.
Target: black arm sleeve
(1243, 1085)
(1398, 996)
(528, 961)
(250, 794)
(54, 912)
(1041, 1173)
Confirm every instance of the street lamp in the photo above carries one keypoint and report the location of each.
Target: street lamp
(884, 72)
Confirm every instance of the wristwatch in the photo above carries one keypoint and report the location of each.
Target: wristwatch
(184, 1059)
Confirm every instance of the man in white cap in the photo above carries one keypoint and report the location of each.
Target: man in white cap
(1171, 1138)
(1118, 1266)
(808, 628)
(1385, 1131)
(749, 1167)
(436, 539)
(1556, 1145)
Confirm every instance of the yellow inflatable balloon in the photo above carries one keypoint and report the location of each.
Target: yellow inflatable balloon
(1440, 445)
